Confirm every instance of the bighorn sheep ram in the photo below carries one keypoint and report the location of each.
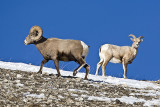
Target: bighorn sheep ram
(58, 50)
(118, 54)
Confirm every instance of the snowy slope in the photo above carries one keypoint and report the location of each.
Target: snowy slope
(108, 79)
(154, 88)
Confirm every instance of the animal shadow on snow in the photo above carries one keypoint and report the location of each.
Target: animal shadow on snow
(89, 80)
(63, 76)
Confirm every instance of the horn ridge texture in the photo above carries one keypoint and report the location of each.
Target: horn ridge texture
(39, 30)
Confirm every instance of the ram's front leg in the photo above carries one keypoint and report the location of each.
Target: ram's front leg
(42, 63)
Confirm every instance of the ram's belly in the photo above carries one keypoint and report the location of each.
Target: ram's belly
(115, 60)
(63, 58)
(66, 58)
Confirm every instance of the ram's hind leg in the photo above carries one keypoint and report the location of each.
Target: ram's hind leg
(81, 63)
(42, 63)
(56, 62)
(87, 67)
(98, 66)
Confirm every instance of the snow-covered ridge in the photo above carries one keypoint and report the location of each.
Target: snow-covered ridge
(108, 79)
(138, 90)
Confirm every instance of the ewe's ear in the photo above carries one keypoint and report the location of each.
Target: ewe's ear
(132, 39)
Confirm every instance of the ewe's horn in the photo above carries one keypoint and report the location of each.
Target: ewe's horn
(39, 30)
(133, 36)
(141, 37)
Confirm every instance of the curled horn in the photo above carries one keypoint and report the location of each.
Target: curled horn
(39, 30)
(140, 37)
(133, 36)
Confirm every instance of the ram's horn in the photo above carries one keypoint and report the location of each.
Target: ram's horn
(39, 30)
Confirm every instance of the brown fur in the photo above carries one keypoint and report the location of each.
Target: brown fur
(59, 50)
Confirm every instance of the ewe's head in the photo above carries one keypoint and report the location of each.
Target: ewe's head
(34, 35)
(136, 41)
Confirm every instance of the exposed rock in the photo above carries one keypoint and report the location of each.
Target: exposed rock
(35, 90)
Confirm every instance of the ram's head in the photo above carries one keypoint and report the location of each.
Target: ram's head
(34, 35)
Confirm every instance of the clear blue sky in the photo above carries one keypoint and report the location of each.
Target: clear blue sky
(95, 22)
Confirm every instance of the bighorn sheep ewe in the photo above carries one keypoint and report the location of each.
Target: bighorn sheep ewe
(118, 54)
(58, 50)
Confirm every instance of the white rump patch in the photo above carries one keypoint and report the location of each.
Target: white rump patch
(85, 49)
(105, 47)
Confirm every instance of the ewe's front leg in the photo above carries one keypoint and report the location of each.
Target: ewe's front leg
(56, 62)
(42, 63)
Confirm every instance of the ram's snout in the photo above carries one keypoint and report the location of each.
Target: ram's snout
(25, 42)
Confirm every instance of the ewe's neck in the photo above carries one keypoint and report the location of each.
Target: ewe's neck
(134, 50)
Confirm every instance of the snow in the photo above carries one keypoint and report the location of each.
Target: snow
(108, 79)
(20, 85)
(74, 95)
(152, 89)
(125, 99)
(27, 94)
(76, 90)
(147, 94)
(61, 97)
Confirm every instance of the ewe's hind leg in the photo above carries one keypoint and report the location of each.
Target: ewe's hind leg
(42, 63)
(98, 66)
(104, 66)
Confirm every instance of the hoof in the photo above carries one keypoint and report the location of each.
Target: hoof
(124, 77)
(85, 78)
(74, 73)
(39, 72)
(103, 75)
(58, 75)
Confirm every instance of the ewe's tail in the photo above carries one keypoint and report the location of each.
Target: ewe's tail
(100, 49)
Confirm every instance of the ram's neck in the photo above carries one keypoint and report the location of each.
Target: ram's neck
(40, 45)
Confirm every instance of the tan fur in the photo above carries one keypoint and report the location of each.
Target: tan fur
(118, 54)
(58, 50)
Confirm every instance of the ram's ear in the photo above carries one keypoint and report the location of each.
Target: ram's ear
(141, 40)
